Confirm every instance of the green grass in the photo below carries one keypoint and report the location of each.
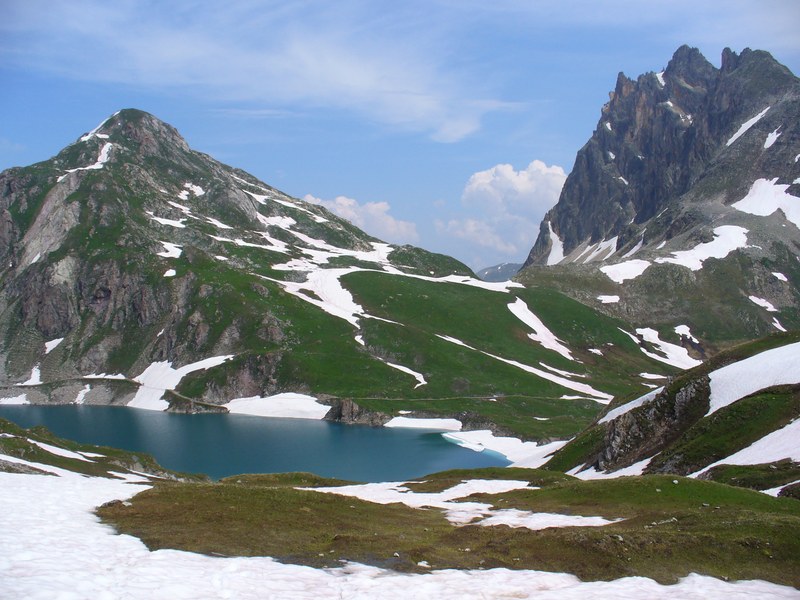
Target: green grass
(756, 477)
(669, 531)
(111, 463)
(730, 429)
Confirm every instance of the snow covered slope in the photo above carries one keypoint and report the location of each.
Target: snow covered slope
(137, 271)
(741, 408)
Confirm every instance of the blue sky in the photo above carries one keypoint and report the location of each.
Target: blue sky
(448, 124)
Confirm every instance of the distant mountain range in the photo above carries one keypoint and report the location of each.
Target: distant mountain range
(138, 271)
(501, 272)
(135, 270)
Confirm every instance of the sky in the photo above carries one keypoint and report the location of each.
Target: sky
(447, 124)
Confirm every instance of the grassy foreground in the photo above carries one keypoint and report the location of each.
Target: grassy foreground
(672, 526)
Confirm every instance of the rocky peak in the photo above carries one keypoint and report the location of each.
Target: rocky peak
(655, 139)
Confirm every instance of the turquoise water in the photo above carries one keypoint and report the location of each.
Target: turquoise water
(222, 445)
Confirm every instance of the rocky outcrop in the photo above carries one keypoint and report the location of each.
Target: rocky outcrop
(661, 136)
(344, 410)
(643, 432)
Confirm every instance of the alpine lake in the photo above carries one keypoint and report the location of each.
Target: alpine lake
(220, 445)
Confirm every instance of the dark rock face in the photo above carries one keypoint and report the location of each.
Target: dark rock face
(661, 135)
(644, 431)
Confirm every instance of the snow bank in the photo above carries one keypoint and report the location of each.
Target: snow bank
(556, 254)
(288, 404)
(778, 445)
(537, 521)
(541, 333)
(778, 366)
(772, 138)
(727, 238)
(102, 159)
(745, 126)
(634, 469)
(160, 377)
(415, 423)
(767, 196)
(34, 379)
(672, 354)
(629, 269)
(766, 304)
(59, 451)
(51, 345)
(575, 386)
(170, 250)
(626, 408)
(61, 550)
(418, 376)
(521, 454)
(21, 399)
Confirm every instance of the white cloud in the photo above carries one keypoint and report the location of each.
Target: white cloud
(503, 208)
(372, 217)
(390, 68)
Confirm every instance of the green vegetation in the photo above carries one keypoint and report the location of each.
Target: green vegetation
(105, 461)
(671, 527)
(730, 429)
(756, 477)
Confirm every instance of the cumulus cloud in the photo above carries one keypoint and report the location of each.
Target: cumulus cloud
(372, 217)
(503, 208)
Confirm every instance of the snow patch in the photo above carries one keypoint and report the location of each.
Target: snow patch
(626, 408)
(179, 224)
(780, 277)
(766, 304)
(660, 78)
(727, 238)
(630, 269)
(556, 254)
(745, 126)
(683, 330)
(286, 405)
(767, 196)
(608, 299)
(170, 250)
(81, 397)
(170, 273)
(772, 138)
(418, 376)
(766, 369)
(635, 249)
(777, 325)
(777, 445)
(21, 399)
(414, 423)
(34, 379)
(160, 377)
(541, 333)
(51, 345)
(101, 160)
(59, 451)
(671, 354)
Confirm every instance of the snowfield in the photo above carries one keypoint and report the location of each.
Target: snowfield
(778, 366)
(54, 547)
(286, 405)
(767, 196)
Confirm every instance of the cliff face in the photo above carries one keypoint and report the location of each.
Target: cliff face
(658, 138)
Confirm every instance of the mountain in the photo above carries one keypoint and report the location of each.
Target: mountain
(138, 271)
(501, 272)
(683, 204)
(733, 419)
